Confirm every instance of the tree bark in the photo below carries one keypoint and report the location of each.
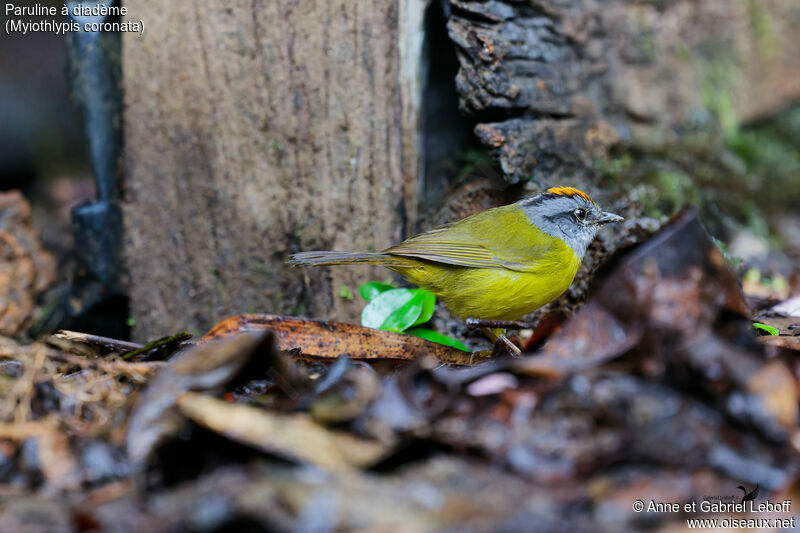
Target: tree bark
(556, 84)
(256, 129)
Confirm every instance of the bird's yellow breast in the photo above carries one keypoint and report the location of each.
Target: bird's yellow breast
(542, 268)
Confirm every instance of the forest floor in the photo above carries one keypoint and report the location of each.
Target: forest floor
(659, 390)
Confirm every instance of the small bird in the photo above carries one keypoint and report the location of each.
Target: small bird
(499, 264)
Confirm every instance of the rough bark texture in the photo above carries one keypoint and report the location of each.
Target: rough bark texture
(255, 129)
(556, 84)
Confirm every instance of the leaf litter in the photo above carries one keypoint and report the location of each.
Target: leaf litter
(658, 388)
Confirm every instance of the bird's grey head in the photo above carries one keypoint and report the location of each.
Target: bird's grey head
(569, 214)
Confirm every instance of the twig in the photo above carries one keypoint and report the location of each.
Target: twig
(19, 431)
(165, 341)
(107, 343)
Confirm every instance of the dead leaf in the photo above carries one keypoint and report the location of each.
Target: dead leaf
(790, 307)
(776, 386)
(344, 392)
(328, 340)
(592, 337)
(786, 325)
(291, 436)
(203, 367)
(781, 341)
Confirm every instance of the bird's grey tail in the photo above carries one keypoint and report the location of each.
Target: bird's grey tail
(341, 258)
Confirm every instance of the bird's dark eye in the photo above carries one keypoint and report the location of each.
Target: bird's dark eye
(580, 214)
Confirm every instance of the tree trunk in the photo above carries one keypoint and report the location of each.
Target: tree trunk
(257, 129)
(556, 84)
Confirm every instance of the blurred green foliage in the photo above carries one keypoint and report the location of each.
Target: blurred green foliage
(736, 175)
(346, 293)
(769, 329)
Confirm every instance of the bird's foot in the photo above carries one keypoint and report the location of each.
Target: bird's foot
(501, 342)
(506, 343)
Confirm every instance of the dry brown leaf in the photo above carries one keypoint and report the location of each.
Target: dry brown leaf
(787, 325)
(292, 436)
(776, 386)
(782, 341)
(329, 340)
(202, 367)
(592, 337)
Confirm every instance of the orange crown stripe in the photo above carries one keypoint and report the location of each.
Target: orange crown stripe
(570, 191)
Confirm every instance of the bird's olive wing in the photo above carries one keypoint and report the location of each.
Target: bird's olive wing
(497, 238)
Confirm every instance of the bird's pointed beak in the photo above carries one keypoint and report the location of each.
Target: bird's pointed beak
(608, 218)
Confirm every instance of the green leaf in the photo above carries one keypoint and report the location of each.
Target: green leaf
(435, 336)
(345, 292)
(378, 310)
(407, 314)
(769, 329)
(393, 309)
(753, 275)
(428, 306)
(398, 309)
(370, 290)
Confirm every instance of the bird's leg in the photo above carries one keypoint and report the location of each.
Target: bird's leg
(473, 323)
(512, 348)
(495, 331)
(501, 339)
